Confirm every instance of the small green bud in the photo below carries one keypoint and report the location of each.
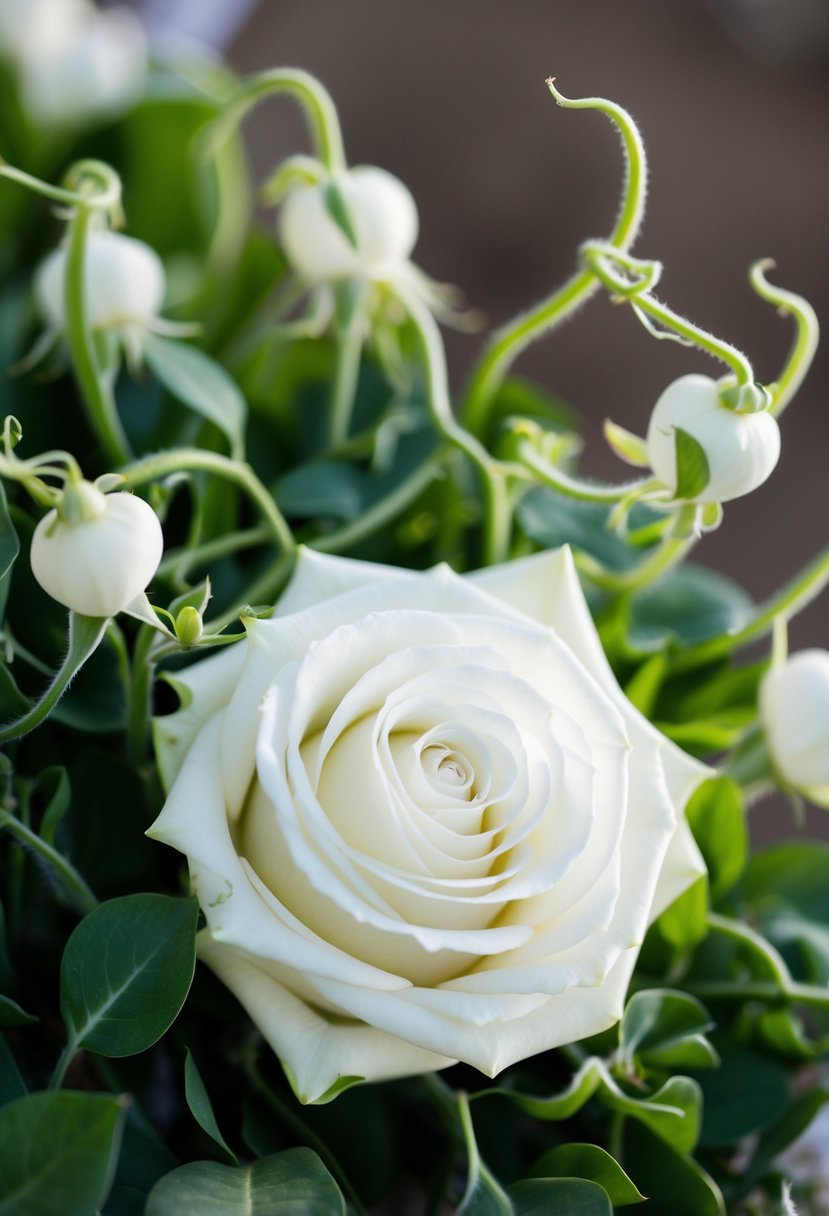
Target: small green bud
(81, 503)
(189, 626)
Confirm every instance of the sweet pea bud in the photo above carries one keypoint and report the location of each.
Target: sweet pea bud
(96, 552)
(360, 223)
(31, 28)
(123, 279)
(702, 450)
(189, 625)
(794, 712)
(95, 70)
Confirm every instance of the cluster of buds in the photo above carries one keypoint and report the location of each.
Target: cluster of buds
(75, 64)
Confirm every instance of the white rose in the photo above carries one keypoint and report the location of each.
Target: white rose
(33, 28)
(124, 283)
(101, 554)
(383, 216)
(741, 449)
(794, 711)
(422, 820)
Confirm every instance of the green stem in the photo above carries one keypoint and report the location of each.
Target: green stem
(264, 590)
(108, 198)
(791, 599)
(85, 633)
(380, 513)
(750, 990)
(177, 562)
(349, 353)
(66, 1058)
(306, 1134)
(497, 515)
(139, 705)
(573, 487)
(95, 389)
(315, 100)
(508, 342)
(162, 463)
(601, 257)
(806, 338)
(80, 895)
(669, 553)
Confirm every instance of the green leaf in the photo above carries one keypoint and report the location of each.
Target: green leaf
(126, 971)
(685, 922)
(795, 873)
(200, 1106)
(58, 1153)
(324, 488)
(642, 690)
(745, 1094)
(666, 1029)
(673, 1111)
(692, 470)
(550, 519)
(716, 814)
(625, 444)
(674, 1183)
(689, 605)
(542, 1196)
(337, 208)
(590, 1162)
(142, 1161)
(293, 1183)
(12, 1085)
(12, 1015)
(196, 380)
(85, 634)
(9, 549)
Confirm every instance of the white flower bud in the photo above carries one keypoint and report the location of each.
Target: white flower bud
(383, 216)
(794, 711)
(95, 70)
(98, 563)
(33, 28)
(124, 281)
(741, 449)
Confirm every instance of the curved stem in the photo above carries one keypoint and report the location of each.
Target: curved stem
(380, 513)
(95, 389)
(508, 342)
(74, 886)
(806, 339)
(602, 257)
(108, 198)
(497, 514)
(162, 463)
(669, 553)
(176, 562)
(314, 98)
(574, 487)
(349, 351)
(85, 633)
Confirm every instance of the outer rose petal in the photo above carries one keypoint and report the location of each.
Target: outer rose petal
(315, 1052)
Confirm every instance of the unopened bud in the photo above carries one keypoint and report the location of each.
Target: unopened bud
(124, 283)
(362, 224)
(794, 711)
(741, 449)
(97, 563)
(189, 626)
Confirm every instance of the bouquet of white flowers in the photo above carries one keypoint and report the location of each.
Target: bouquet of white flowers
(455, 743)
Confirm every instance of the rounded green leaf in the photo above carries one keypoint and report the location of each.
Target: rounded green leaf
(58, 1153)
(126, 971)
(196, 380)
(293, 1183)
(542, 1196)
(592, 1163)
